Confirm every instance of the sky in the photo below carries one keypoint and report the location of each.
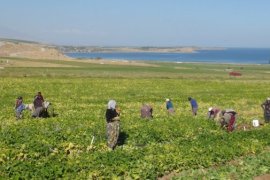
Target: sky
(204, 23)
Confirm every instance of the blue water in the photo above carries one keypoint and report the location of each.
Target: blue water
(231, 55)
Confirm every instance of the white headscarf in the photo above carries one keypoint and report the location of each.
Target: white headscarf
(111, 104)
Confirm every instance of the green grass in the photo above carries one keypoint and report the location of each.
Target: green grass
(163, 70)
(240, 168)
(58, 147)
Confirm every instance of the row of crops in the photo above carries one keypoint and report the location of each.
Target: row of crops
(60, 147)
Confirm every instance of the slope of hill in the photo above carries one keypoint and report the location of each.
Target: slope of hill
(28, 49)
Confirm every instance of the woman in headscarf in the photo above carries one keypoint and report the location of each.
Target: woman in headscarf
(169, 106)
(266, 108)
(19, 107)
(228, 119)
(194, 106)
(214, 113)
(38, 105)
(146, 111)
(113, 125)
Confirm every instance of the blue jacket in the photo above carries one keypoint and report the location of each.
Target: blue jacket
(193, 103)
(169, 105)
(20, 108)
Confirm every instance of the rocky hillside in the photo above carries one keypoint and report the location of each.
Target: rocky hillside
(28, 49)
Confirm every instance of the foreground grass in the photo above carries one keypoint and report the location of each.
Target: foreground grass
(240, 168)
(59, 147)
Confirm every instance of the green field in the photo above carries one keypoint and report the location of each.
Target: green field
(191, 147)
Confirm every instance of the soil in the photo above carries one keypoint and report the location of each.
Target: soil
(263, 177)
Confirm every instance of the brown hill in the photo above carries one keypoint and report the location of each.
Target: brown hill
(29, 50)
(33, 54)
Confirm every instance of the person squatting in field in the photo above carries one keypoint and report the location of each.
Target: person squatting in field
(266, 109)
(19, 107)
(214, 113)
(113, 125)
(38, 105)
(169, 107)
(194, 105)
(228, 119)
(146, 111)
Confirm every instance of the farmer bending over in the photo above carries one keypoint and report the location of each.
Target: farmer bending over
(169, 106)
(214, 113)
(194, 106)
(19, 107)
(38, 105)
(146, 111)
(228, 119)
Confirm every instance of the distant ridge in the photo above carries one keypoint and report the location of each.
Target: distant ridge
(107, 49)
(18, 41)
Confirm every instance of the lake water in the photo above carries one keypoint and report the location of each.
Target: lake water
(231, 55)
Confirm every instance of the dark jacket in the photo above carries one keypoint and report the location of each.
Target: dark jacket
(38, 101)
(110, 114)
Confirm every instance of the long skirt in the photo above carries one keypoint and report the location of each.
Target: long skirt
(38, 112)
(113, 129)
(170, 111)
(267, 118)
(194, 111)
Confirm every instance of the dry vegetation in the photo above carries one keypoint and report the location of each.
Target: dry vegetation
(34, 51)
(29, 50)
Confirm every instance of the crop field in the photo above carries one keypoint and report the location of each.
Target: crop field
(190, 147)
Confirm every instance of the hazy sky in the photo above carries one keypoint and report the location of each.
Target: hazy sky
(223, 23)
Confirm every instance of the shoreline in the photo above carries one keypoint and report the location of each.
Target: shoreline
(226, 56)
(127, 49)
(160, 61)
